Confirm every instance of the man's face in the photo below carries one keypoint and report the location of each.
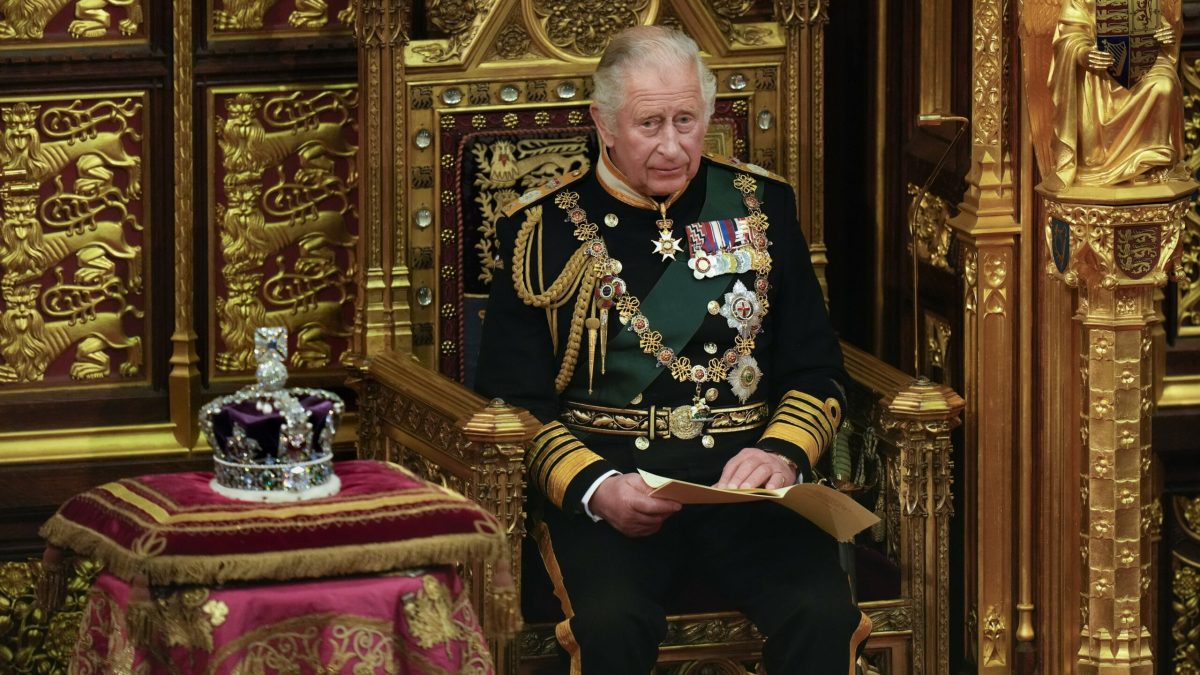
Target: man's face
(659, 134)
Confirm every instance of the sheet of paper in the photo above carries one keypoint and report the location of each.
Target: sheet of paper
(828, 509)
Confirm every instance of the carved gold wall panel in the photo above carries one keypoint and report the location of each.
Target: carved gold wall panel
(74, 243)
(283, 221)
(248, 18)
(31, 642)
(581, 30)
(1183, 624)
(71, 23)
(1188, 282)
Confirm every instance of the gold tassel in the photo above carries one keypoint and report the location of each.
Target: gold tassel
(603, 338)
(139, 615)
(502, 619)
(592, 325)
(52, 584)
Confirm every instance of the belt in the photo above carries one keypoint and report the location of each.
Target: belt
(663, 422)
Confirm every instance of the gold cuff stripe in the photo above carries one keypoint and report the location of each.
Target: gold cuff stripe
(547, 468)
(551, 433)
(802, 437)
(803, 420)
(548, 449)
(565, 471)
(815, 412)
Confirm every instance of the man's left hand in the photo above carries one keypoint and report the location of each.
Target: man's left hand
(754, 468)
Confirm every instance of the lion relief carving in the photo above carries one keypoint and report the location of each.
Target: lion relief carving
(29, 345)
(27, 19)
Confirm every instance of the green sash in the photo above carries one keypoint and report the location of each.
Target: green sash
(675, 306)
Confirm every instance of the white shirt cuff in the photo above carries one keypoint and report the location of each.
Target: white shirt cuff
(587, 496)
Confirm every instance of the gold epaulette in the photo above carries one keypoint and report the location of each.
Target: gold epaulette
(739, 165)
(537, 193)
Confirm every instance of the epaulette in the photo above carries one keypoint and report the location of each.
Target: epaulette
(739, 165)
(537, 193)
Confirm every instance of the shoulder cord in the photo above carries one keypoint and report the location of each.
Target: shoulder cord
(573, 282)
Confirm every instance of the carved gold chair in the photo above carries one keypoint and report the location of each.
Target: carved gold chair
(488, 105)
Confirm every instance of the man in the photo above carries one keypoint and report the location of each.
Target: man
(650, 323)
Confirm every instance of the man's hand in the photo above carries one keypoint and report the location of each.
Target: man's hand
(754, 468)
(1098, 61)
(625, 502)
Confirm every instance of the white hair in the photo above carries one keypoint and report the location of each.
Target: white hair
(642, 47)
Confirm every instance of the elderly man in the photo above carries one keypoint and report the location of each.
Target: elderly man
(652, 321)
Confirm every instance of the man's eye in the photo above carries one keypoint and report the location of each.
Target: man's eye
(649, 124)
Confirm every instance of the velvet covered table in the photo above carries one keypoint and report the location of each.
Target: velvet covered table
(360, 582)
(413, 622)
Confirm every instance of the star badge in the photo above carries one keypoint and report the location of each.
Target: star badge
(665, 245)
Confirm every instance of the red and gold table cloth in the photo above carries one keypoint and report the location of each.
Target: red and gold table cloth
(413, 622)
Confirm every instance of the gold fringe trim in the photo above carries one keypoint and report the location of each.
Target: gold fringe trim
(274, 565)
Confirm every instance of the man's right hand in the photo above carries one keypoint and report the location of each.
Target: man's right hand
(625, 502)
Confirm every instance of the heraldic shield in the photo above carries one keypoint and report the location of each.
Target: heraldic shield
(1060, 243)
(1125, 29)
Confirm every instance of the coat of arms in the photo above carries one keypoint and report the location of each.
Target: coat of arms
(1125, 29)
(1137, 249)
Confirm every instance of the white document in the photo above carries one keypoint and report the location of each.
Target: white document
(828, 509)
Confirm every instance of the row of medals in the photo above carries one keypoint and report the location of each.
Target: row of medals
(742, 309)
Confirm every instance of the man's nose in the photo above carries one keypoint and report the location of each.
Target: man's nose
(669, 147)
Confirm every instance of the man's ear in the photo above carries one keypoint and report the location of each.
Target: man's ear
(606, 135)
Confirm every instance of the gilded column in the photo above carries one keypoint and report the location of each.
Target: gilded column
(988, 229)
(919, 420)
(381, 318)
(1116, 255)
(184, 379)
(501, 433)
(803, 24)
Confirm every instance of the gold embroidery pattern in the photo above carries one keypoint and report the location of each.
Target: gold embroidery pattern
(358, 644)
(103, 629)
(430, 615)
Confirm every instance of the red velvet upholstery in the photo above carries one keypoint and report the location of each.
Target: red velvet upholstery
(175, 530)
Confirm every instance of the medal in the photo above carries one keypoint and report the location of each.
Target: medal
(666, 245)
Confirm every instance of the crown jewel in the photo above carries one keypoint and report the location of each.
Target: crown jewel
(271, 443)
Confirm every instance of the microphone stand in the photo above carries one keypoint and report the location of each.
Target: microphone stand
(925, 120)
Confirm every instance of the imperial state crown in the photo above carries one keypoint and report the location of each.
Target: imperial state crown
(270, 443)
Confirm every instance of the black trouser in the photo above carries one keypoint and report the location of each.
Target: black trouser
(781, 571)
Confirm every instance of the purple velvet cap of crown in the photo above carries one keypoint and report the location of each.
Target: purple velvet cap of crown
(264, 428)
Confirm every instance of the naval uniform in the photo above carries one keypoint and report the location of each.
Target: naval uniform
(634, 358)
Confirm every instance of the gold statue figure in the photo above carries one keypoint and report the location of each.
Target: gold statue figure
(1105, 103)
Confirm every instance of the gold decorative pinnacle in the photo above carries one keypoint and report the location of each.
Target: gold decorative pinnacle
(925, 400)
(500, 422)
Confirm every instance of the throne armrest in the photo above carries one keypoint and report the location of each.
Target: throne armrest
(451, 436)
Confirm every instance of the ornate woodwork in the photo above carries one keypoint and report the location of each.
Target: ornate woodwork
(1116, 254)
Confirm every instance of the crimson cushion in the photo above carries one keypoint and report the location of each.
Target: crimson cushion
(175, 530)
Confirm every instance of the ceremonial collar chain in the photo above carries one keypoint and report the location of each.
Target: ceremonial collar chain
(742, 309)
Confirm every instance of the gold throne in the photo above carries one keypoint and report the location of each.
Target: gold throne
(483, 103)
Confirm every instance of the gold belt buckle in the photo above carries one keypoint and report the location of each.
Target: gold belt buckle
(683, 424)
